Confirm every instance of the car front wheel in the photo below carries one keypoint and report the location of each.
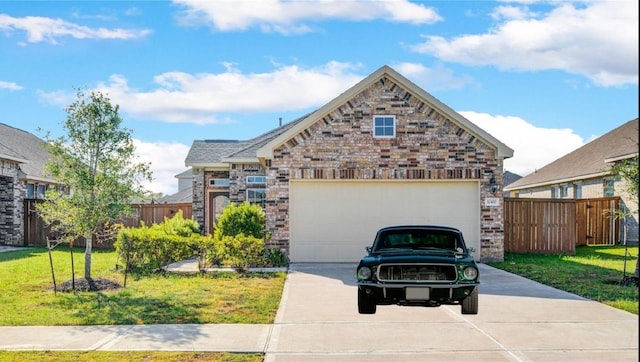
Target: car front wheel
(366, 304)
(470, 303)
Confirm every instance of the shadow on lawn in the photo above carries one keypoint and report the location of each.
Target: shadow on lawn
(123, 308)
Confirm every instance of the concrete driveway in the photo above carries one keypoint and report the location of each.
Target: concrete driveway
(518, 320)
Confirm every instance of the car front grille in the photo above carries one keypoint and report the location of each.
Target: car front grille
(416, 273)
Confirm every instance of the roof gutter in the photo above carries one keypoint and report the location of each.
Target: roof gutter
(558, 181)
(12, 158)
(240, 160)
(620, 158)
(205, 164)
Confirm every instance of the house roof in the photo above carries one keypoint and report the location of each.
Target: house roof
(591, 160)
(212, 153)
(23, 147)
(510, 177)
(188, 173)
(502, 151)
(185, 195)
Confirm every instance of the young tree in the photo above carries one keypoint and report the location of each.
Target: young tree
(628, 171)
(96, 170)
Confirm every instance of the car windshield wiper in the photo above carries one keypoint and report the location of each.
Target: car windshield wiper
(386, 250)
(433, 248)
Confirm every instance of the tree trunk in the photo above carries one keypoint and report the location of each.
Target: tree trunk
(87, 257)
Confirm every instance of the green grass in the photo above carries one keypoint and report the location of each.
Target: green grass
(91, 356)
(594, 273)
(28, 297)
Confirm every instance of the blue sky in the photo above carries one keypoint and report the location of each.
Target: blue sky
(544, 77)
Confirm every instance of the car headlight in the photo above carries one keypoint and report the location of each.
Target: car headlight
(470, 273)
(364, 273)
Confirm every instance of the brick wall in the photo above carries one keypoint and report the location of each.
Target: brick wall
(427, 146)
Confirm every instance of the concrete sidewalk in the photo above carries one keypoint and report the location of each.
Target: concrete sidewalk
(519, 320)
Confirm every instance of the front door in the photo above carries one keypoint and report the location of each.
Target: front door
(217, 202)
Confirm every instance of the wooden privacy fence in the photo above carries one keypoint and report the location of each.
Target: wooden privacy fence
(36, 232)
(156, 213)
(557, 226)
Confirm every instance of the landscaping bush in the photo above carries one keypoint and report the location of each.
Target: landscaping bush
(244, 218)
(149, 248)
(239, 235)
(241, 251)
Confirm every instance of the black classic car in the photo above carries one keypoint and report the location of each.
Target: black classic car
(418, 265)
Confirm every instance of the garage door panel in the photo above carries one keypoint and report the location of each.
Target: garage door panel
(332, 221)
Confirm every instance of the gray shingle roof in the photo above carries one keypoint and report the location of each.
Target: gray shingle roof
(24, 146)
(181, 196)
(588, 160)
(207, 152)
(210, 151)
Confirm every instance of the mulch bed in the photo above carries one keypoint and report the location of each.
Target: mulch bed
(90, 285)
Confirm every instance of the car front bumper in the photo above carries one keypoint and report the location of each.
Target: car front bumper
(412, 293)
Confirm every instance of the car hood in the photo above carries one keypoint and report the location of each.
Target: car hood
(416, 257)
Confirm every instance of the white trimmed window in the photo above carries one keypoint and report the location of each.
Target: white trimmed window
(384, 126)
(256, 196)
(256, 180)
(31, 191)
(256, 189)
(564, 191)
(577, 191)
(608, 188)
(219, 182)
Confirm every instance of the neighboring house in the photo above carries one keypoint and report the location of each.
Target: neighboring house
(384, 152)
(508, 178)
(22, 160)
(185, 190)
(586, 173)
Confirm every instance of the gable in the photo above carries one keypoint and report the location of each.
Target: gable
(26, 149)
(385, 92)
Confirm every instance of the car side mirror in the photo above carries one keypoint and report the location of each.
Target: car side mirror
(368, 249)
(471, 249)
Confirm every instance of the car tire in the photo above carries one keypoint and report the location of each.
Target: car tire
(470, 303)
(366, 304)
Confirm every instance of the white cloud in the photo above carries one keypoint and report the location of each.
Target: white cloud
(166, 159)
(288, 17)
(533, 147)
(182, 97)
(43, 29)
(598, 41)
(435, 78)
(10, 85)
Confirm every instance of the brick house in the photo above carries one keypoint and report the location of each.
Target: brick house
(22, 159)
(586, 173)
(383, 152)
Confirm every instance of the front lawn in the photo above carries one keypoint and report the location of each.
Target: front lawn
(127, 356)
(595, 273)
(28, 297)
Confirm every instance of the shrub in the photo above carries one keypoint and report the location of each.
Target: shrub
(274, 258)
(241, 251)
(245, 218)
(148, 248)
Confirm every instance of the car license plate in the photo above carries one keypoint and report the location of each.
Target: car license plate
(417, 293)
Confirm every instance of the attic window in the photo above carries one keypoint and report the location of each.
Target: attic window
(384, 126)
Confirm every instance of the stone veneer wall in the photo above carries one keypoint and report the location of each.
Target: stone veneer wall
(427, 146)
(198, 195)
(12, 193)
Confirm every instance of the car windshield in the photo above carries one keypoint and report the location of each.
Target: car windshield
(418, 239)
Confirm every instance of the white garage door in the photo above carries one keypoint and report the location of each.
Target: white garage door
(333, 221)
